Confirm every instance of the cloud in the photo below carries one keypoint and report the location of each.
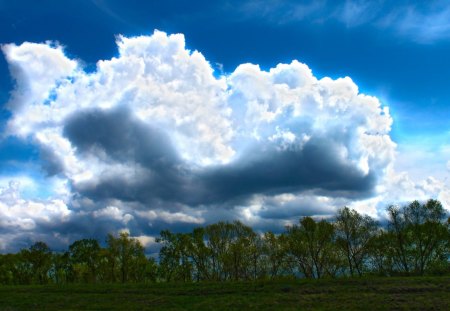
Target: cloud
(153, 139)
(422, 24)
(113, 212)
(24, 218)
(288, 206)
(318, 165)
(46, 61)
(357, 13)
(280, 11)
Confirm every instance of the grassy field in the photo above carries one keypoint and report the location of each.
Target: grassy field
(427, 293)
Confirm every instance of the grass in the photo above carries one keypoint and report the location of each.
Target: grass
(425, 293)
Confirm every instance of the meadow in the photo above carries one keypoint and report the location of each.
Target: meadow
(396, 293)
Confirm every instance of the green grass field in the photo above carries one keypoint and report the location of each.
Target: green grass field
(427, 293)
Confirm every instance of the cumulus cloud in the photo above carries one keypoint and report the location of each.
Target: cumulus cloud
(20, 218)
(59, 222)
(154, 139)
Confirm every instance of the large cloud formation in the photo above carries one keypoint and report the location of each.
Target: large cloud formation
(154, 138)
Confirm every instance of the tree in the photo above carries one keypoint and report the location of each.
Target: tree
(312, 245)
(151, 270)
(85, 254)
(255, 251)
(380, 253)
(420, 236)
(219, 238)
(39, 258)
(275, 252)
(244, 251)
(398, 228)
(415, 241)
(22, 268)
(125, 253)
(354, 232)
(106, 270)
(235, 251)
(8, 269)
(200, 254)
(61, 270)
(174, 256)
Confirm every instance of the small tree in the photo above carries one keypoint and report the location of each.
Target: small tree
(312, 244)
(125, 253)
(39, 258)
(420, 236)
(85, 253)
(275, 253)
(354, 232)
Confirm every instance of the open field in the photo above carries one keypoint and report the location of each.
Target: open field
(427, 293)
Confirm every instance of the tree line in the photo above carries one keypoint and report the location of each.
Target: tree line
(415, 241)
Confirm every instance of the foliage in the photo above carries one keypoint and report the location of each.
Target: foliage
(354, 234)
(415, 241)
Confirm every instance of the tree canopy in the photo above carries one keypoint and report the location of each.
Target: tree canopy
(415, 241)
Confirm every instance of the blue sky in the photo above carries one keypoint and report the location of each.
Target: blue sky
(394, 52)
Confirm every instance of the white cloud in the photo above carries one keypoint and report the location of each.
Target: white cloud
(17, 213)
(399, 188)
(424, 26)
(163, 82)
(34, 187)
(290, 94)
(37, 69)
(174, 100)
(146, 241)
(155, 216)
(420, 23)
(356, 13)
(113, 212)
(208, 119)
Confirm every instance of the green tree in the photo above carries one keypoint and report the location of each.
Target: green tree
(150, 270)
(312, 244)
(84, 254)
(219, 237)
(125, 253)
(420, 236)
(354, 233)
(106, 270)
(200, 254)
(174, 260)
(275, 251)
(61, 270)
(235, 251)
(8, 271)
(381, 253)
(38, 257)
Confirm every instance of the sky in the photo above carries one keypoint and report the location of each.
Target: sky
(140, 116)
